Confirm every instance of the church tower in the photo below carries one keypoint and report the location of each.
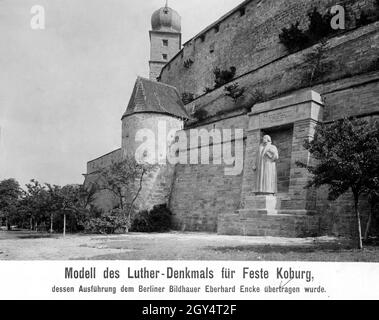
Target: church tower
(165, 39)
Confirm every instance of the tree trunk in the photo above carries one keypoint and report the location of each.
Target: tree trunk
(369, 221)
(51, 223)
(64, 225)
(136, 196)
(359, 229)
(31, 223)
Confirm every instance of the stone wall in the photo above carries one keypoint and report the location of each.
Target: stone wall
(104, 161)
(350, 56)
(247, 42)
(201, 192)
(158, 125)
(104, 200)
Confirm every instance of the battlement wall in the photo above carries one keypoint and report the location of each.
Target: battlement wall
(247, 38)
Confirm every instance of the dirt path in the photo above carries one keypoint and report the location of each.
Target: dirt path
(170, 246)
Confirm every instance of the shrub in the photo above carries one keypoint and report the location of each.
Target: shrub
(374, 65)
(367, 17)
(187, 63)
(234, 91)
(259, 96)
(108, 223)
(317, 64)
(362, 20)
(200, 114)
(223, 76)
(293, 38)
(319, 26)
(207, 90)
(187, 97)
(156, 220)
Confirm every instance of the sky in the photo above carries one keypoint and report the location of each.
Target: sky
(64, 89)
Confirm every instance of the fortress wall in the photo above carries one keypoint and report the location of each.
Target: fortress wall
(201, 192)
(355, 53)
(104, 161)
(104, 200)
(246, 42)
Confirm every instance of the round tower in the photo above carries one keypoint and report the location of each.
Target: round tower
(154, 114)
(154, 111)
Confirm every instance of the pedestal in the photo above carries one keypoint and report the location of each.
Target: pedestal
(259, 205)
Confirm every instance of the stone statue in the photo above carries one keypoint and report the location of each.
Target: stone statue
(266, 168)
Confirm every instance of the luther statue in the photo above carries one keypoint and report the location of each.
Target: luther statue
(266, 168)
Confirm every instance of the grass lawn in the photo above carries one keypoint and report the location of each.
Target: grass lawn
(25, 245)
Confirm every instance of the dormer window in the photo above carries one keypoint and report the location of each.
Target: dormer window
(164, 56)
(165, 42)
(242, 11)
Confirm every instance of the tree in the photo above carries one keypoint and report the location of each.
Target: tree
(372, 182)
(10, 193)
(346, 154)
(373, 198)
(317, 64)
(124, 179)
(36, 203)
(70, 200)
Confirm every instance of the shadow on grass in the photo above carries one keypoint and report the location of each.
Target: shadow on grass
(264, 249)
(16, 234)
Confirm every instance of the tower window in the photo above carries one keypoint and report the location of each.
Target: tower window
(217, 28)
(202, 37)
(164, 56)
(242, 11)
(165, 42)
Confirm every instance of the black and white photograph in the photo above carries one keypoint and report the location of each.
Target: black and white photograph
(181, 133)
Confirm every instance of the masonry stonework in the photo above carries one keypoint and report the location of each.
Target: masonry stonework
(200, 196)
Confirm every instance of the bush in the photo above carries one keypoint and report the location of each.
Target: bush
(187, 63)
(374, 65)
(156, 220)
(367, 17)
(200, 114)
(108, 223)
(320, 25)
(223, 76)
(207, 90)
(293, 38)
(234, 91)
(257, 96)
(187, 97)
(362, 20)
